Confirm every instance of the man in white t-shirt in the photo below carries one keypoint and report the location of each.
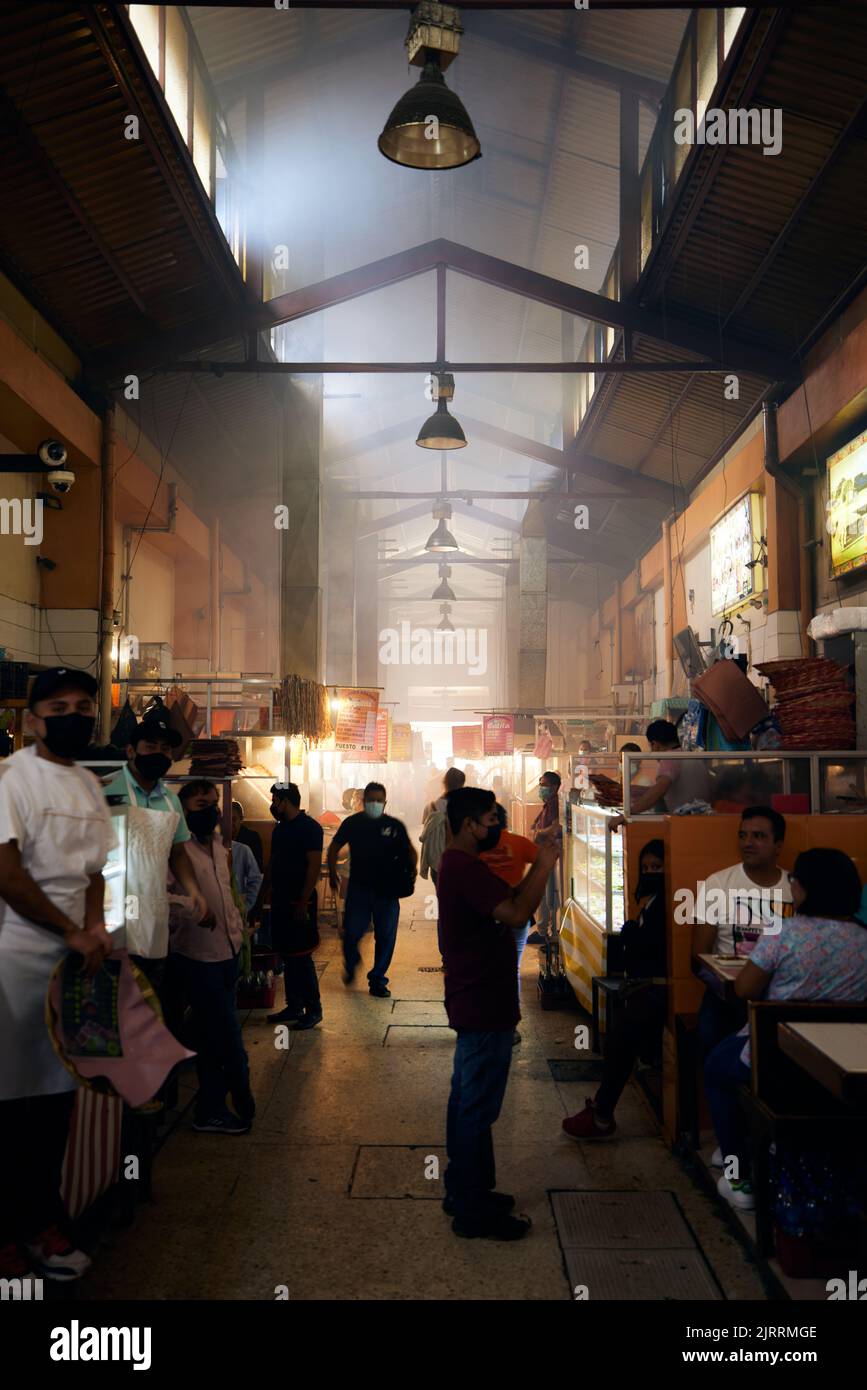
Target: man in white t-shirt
(55, 833)
(736, 906)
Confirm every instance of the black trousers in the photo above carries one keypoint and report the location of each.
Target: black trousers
(34, 1133)
(638, 1025)
(301, 983)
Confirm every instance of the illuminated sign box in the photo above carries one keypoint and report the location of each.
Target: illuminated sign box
(846, 516)
(735, 543)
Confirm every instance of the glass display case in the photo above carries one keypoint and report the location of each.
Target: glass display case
(114, 874)
(593, 866)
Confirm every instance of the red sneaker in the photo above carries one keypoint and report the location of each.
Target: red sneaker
(585, 1124)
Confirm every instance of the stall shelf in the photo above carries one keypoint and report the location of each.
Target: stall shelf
(594, 903)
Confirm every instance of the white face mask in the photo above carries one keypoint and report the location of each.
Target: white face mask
(374, 809)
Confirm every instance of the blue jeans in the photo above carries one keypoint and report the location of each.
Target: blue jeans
(724, 1074)
(481, 1071)
(521, 934)
(362, 904)
(546, 917)
(717, 1020)
(221, 1061)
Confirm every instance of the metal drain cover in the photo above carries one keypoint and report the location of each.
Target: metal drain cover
(569, 1070)
(605, 1220)
(430, 970)
(647, 1275)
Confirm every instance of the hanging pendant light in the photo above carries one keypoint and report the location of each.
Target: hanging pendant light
(445, 624)
(441, 538)
(444, 588)
(429, 127)
(441, 430)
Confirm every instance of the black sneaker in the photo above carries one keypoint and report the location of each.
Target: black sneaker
(287, 1015)
(380, 992)
(516, 1038)
(534, 939)
(500, 1201)
(222, 1124)
(498, 1226)
(305, 1022)
(349, 974)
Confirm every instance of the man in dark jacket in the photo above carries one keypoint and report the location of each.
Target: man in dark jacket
(642, 1016)
(292, 874)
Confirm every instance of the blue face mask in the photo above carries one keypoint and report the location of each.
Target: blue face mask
(545, 793)
(374, 808)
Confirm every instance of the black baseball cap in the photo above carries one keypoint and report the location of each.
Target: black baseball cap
(155, 726)
(58, 678)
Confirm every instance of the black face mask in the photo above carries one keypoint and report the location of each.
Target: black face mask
(650, 883)
(153, 766)
(203, 823)
(68, 735)
(277, 814)
(491, 840)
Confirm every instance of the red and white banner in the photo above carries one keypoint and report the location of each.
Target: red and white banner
(498, 734)
(382, 740)
(356, 720)
(92, 1161)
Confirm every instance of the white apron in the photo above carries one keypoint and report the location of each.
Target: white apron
(60, 820)
(150, 835)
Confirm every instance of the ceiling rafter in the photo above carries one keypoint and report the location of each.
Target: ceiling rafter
(478, 265)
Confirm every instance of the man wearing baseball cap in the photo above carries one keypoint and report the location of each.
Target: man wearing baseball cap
(55, 834)
(156, 843)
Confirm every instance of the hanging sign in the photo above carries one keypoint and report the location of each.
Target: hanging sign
(356, 720)
(401, 743)
(382, 740)
(466, 740)
(498, 734)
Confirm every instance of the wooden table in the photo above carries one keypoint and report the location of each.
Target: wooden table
(834, 1054)
(720, 974)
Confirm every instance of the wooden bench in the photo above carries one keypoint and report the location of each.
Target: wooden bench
(786, 1105)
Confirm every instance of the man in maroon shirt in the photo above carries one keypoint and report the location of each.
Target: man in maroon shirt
(477, 914)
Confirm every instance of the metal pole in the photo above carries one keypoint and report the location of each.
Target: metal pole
(107, 603)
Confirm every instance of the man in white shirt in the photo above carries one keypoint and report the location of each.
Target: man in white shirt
(736, 906)
(55, 834)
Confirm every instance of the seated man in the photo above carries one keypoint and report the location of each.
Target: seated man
(642, 1017)
(734, 907)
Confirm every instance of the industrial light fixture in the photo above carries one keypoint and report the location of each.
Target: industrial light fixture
(441, 430)
(441, 538)
(445, 623)
(429, 127)
(444, 589)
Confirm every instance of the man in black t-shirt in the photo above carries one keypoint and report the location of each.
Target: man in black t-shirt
(292, 876)
(382, 866)
(477, 914)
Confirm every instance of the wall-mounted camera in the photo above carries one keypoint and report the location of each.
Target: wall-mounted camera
(52, 453)
(61, 480)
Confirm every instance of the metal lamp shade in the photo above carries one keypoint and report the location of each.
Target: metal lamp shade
(441, 538)
(443, 590)
(410, 137)
(441, 431)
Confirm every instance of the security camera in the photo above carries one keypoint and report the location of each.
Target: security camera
(61, 480)
(52, 453)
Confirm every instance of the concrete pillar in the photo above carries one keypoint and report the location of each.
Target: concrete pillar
(533, 603)
(301, 541)
(367, 612)
(340, 524)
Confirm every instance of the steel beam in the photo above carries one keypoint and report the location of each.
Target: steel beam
(411, 368)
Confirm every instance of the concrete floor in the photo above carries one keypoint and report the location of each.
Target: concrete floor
(328, 1195)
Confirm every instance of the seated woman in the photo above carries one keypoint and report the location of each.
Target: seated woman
(820, 953)
(642, 1017)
